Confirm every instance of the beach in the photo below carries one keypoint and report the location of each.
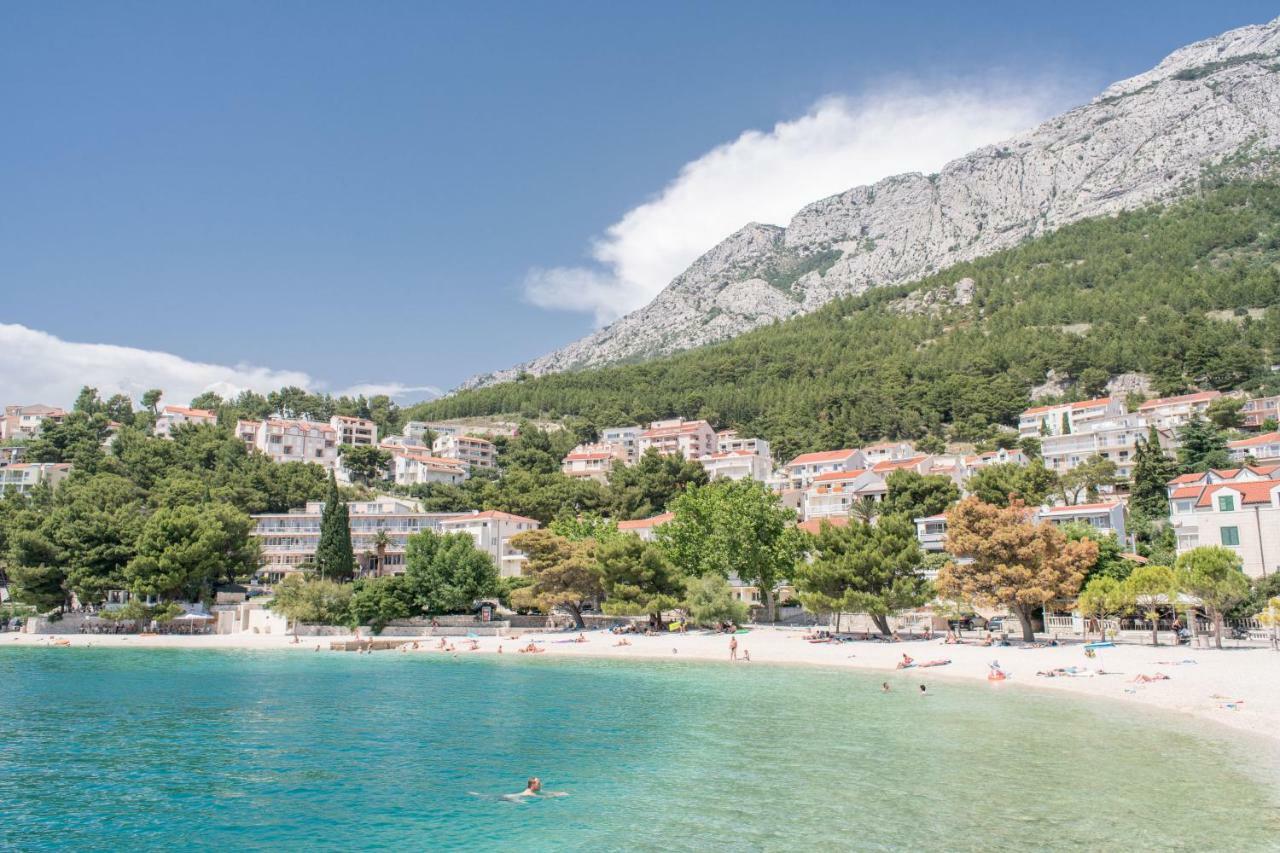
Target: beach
(1235, 687)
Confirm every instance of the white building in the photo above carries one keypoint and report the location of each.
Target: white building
(626, 437)
(467, 449)
(593, 461)
(288, 440)
(931, 533)
(887, 451)
(1114, 438)
(1173, 412)
(1063, 418)
(417, 467)
(1001, 456)
(172, 417)
(22, 477)
(420, 429)
(1263, 448)
(358, 431)
(678, 437)
(736, 465)
(1106, 517)
(802, 470)
(25, 421)
(646, 528)
(1237, 509)
(492, 531)
(290, 539)
(834, 493)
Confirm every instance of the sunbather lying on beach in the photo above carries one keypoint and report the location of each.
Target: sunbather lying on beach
(580, 639)
(623, 642)
(906, 661)
(531, 649)
(938, 662)
(1147, 679)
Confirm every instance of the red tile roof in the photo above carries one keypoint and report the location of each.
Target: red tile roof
(645, 523)
(1060, 510)
(896, 464)
(814, 525)
(491, 514)
(1083, 404)
(1265, 438)
(840, 475)
(190, 413)
(1257, 492)
(1198, 397)
(821, 456)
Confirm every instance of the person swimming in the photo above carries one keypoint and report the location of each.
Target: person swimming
(532, 787)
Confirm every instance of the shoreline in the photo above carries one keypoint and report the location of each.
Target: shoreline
(1201, 681)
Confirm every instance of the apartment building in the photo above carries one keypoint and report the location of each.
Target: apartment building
(289, 540)
(887, 451)
(625, 437)
(1001, 456)
(728, 440)
(25, 421)
(290, 440)
(1063, 418)
(410, 467)
(492, 531)
(21, 477)
(419, 430)
(1107, 517)
(593, 461)
(393, 443)
(1173, 412)
(1237, 509)
(931, 533)
(467, 449)
(678, 437)
(801, 471)
(1259, 410)
(736, 465)
(357, 431)
(172, 417)
(646, 528)
(835, 492)
(1263, 449)
(1114, 438)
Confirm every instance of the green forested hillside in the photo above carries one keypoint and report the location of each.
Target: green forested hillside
(1163, 291)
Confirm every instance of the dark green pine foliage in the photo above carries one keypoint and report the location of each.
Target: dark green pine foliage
(334, 558)
(1152, 470)
(1161, 291)
(1203, 446)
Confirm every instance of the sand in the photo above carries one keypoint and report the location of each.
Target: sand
(1202, 682)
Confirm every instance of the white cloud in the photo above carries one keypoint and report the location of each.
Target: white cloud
(392, 389)
(36, 367)
(768, 176)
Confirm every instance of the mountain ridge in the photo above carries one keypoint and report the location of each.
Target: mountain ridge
(1145, 139)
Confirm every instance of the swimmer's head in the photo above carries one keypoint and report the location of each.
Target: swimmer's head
(535, 783)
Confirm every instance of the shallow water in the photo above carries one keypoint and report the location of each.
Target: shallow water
(115, 749)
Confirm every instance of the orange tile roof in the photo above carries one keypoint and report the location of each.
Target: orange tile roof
(814, 525)
(582, 457)
(491, 514)
(1198, 397)
(1265, 438)
(895, 464)
(1257, 492)
(1082, 404)
(644, 523)
(821, 456)
(679, 429)
(190, 413)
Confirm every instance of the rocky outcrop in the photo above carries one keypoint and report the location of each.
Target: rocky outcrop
(1146, 139)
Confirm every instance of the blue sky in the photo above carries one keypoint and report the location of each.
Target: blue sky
(348, 193)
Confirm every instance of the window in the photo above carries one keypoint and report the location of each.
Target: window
(1226, 503)
(1230, 535)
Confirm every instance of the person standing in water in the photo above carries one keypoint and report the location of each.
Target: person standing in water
(733, 648)
(532, 787)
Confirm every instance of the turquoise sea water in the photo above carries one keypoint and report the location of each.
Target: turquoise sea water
(124, 750)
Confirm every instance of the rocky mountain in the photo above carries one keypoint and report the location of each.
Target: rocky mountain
(1211, 105)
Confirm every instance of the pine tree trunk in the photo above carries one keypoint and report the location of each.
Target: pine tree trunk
(1217, 628)
(1023, 613)
(882, 623)
(770, 607)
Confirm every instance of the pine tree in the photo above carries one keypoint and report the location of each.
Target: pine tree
(1152, 470)
(334, 557)
(1204, 446)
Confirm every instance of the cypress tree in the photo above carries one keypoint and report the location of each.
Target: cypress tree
(334, 556)
(1152, 470)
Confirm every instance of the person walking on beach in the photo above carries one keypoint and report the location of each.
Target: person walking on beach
(733, 648)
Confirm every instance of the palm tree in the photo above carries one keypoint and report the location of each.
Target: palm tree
(865, 509)
(380, 542)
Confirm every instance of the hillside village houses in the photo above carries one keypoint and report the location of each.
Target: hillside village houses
(1237, 509)
(171, 417)
(410, 467)
(21, 477)
(678, 437)
(593, 461)
(21, 422)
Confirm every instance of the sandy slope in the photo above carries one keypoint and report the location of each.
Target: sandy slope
(1252, 675)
